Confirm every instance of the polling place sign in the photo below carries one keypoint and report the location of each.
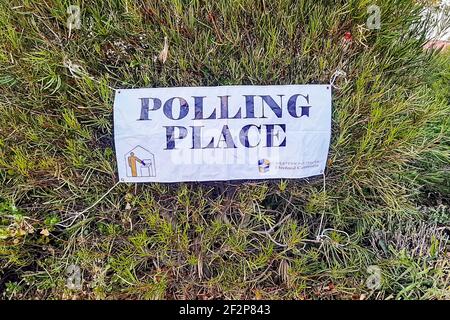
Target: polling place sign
(222, 133)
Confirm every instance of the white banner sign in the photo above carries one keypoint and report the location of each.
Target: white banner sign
(222, 133)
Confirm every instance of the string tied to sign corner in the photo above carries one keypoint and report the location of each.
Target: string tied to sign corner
(338, 73)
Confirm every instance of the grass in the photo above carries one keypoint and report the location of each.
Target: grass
(383, 202)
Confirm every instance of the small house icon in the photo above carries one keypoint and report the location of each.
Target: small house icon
(140, 163)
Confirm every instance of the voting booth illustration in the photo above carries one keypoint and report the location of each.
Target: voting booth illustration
(140, 163)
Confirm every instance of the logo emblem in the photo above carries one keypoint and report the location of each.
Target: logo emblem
(263, 165)
(140, 163)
